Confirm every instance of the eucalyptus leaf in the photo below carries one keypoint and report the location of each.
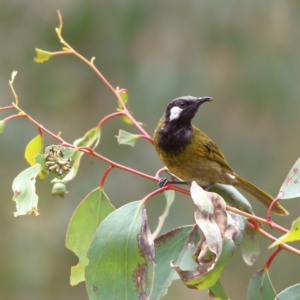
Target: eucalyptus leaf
(24, 191)
(2, 125)
(250, 246)
(121, 256)
(126, 138)
(291, 236)
(290, 293)
(179, 245)
(93, 209)
(90, 139)
(260, 286)
(291, 185)
(232, 196)
(34, 147)
(170, 196)
(42, 55)
(217, 291)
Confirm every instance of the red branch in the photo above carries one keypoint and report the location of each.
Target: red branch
(105, 175)
(146, 198)
(272, 238)
(256, 218)
(7, 107)
(119, 113)
(272, 256)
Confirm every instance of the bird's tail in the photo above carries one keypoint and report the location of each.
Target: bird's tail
(261, 196)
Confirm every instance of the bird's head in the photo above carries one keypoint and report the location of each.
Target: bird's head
(183, 109)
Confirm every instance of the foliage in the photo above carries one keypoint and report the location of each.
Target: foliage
(119, 258)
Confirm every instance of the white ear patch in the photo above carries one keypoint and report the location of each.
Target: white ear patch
(175, 113)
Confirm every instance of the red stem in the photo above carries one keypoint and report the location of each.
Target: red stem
(159, 172)
(112, 163)
(258, 219)
(115, 114)
(14, 117)
(146, 198)
(105, 175)
(40, 131)
(6, 107)
(273, 255)
(116, 92)
(40, 127)
(122, 113)
(148, 138)
(272, 238)
(269, 212)
(129, 116)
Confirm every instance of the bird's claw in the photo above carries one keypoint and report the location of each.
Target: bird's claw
(163, 182)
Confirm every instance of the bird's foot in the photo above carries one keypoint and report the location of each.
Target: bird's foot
(163, 182)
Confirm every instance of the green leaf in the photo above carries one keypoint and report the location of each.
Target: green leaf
(178, 244)
(291, 186)
(126, 120)
(34, 147)
(291, 236)
(124, 96)
(217, 292)
(290, 293)
(2, 125)
(93, 209)
(39, 158)
(121, 256)
(126, 138)
(42, 55)
(232, 196)
(90, 139)
(260, 286)
(24, 191)
(250, 246)
(75, 166)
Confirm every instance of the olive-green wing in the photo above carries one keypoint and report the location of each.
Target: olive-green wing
(206, 147)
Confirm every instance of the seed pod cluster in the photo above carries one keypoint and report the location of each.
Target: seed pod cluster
(55, 160)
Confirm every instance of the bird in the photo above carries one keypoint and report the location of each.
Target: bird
(190, 155)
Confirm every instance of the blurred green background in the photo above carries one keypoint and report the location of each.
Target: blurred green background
(244, 54)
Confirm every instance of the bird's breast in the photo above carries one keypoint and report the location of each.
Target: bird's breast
(184, 153)
(190, 166)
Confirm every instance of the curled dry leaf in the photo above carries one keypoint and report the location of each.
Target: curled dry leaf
(222, 233)
(211, 217)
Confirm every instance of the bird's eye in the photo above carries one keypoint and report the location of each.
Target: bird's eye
(182, 104)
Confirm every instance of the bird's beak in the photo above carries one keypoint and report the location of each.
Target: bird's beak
(190, 111)
(203, 100)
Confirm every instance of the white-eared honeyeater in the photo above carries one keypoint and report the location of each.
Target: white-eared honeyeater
(191, 155)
